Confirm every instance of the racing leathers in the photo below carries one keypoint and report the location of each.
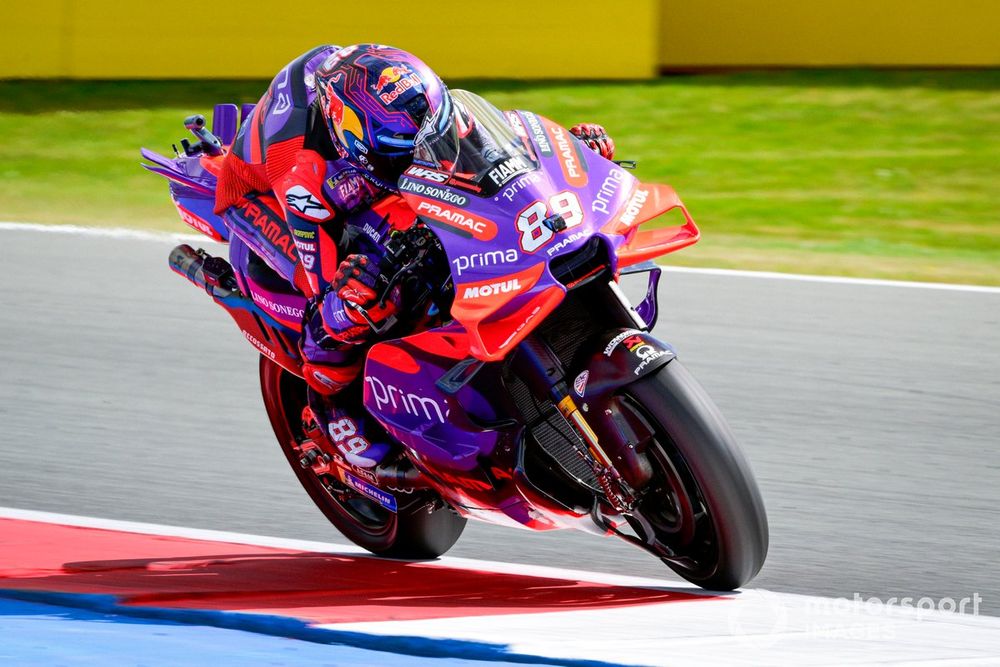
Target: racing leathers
(285, 191)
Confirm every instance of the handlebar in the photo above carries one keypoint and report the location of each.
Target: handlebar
(209, 142)
(406, 252)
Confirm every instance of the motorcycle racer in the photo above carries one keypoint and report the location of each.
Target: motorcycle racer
(330, 137)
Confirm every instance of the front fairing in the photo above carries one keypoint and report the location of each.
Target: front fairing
(499, 246)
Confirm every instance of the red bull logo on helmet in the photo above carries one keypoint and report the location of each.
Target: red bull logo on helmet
(401, 78)
(342, 116)
(335, 106)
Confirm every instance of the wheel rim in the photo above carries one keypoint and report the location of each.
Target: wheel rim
(288, 392)
(673, 505)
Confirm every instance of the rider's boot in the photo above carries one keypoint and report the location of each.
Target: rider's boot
(348, 429)
(331, 371)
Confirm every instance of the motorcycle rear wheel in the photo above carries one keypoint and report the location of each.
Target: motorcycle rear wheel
(703, 503)
(423, 526)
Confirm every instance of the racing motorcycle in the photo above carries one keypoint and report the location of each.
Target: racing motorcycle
(524, 389)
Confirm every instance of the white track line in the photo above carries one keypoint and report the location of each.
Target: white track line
(106, 232)
(840, 280)
(140, 235)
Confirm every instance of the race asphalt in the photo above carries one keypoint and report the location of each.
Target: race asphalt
(870, 413)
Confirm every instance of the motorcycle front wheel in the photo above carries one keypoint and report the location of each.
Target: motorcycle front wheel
(702, 502)
(423, 526)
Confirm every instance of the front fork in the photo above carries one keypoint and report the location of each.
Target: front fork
(544, 372)
(611, 438)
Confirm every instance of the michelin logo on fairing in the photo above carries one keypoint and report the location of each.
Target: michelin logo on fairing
(384, 499)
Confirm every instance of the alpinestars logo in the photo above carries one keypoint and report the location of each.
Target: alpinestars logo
(303, 201)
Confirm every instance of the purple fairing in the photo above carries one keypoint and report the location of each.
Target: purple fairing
(225, 122)
(192, 189)
(408, 401)
(648, 309)
(286, 307)
(606, 188)
(202, 210)
(424, 418)
(587, 195)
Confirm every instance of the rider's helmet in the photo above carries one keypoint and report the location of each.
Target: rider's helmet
(374, 99)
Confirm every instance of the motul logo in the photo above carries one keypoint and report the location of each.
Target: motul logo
(492, 289)
(633, 207)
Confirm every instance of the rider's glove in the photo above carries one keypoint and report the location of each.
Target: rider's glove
(596, 138)
(353, 287)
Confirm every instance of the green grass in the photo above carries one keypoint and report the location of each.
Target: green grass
(867, 173)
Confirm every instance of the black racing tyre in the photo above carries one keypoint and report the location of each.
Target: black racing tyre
(703, 501)
(423, 527)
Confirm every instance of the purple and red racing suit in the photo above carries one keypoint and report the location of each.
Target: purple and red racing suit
(285, 191)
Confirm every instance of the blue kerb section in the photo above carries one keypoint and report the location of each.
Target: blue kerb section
(291, 628)
(37, 635)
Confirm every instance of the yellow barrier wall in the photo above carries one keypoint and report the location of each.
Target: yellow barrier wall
(527, 39)
(154, 39)
(706, 33)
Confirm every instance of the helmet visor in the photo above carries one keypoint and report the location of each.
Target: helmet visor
(471, 141)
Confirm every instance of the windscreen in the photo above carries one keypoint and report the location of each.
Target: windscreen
(470, 140)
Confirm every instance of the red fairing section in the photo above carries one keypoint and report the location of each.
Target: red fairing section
(197, 222)
(645, 203)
